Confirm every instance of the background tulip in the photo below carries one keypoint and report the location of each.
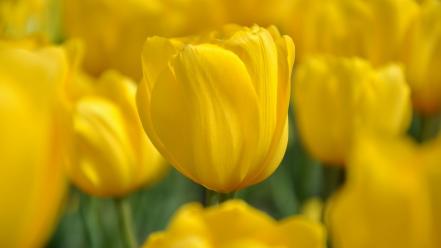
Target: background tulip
(373, 30)
(224, 96)
(388, 197)
(335, 97)
(422, 57)
(114, 31)
(33, 140)
(386, 23)
(112, 155)
(322, 27)
(235, 224)
(249, 12)
(20, 18)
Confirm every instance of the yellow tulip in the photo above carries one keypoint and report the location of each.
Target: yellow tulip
(386, 24)
(373, 29)
(21, 18)
(422, 57)
(114, 31)
(391, 198)
(336, 97)
(33, 135)
(234, 224)
(216, 107)
(249, 12)
(112, 155)
(322, 27)
(432, 179)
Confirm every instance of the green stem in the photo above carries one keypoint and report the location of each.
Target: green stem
(333, 179)
(213, 198)
(125, 222)
(429, 126)
(89, 211)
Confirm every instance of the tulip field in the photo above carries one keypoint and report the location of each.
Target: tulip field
(220, 123)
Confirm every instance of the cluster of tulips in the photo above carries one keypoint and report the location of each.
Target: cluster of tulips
(102, 96)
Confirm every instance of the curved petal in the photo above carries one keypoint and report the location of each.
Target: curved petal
(386, 102)
(286, 54)
(105, 155)
(211, 85)
(247, 222)
(156, 55)
(31, 147)
(257, 49)
(303, 233)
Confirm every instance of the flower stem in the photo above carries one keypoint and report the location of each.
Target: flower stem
(333, 179)
(125, 222)
(213, 198)
(89, 211)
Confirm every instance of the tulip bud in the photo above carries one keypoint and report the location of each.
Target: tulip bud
(235, 224)
(216, 106)
(422, 57)
(112, 155)
(386, 201)
(33, 135)
(336, 97)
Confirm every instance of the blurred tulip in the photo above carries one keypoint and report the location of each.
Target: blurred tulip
(373, 30)
(384, 32)
(335, 97)
(112, 155)
(313, 209)
(34, 134)
(217, 108)
(388, 200)
(114, 31)
(422, 57)
(322, 27)
(432, 179)
(234, 224)
(250, 12)
(20, 18)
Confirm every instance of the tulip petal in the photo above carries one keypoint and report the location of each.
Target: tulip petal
(30, 145)
(257, 49)
(302, 233)
(385, 198)
(187, 229)
(212, 86)
(157, 53)
(105, 152)
(286, 54)
(247, 222)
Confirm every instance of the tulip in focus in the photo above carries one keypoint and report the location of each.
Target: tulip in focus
(422, 57)
(216, 106)
(391, 198)
(234, 224)
(112, 155)
(336, 97)
(33, 144)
